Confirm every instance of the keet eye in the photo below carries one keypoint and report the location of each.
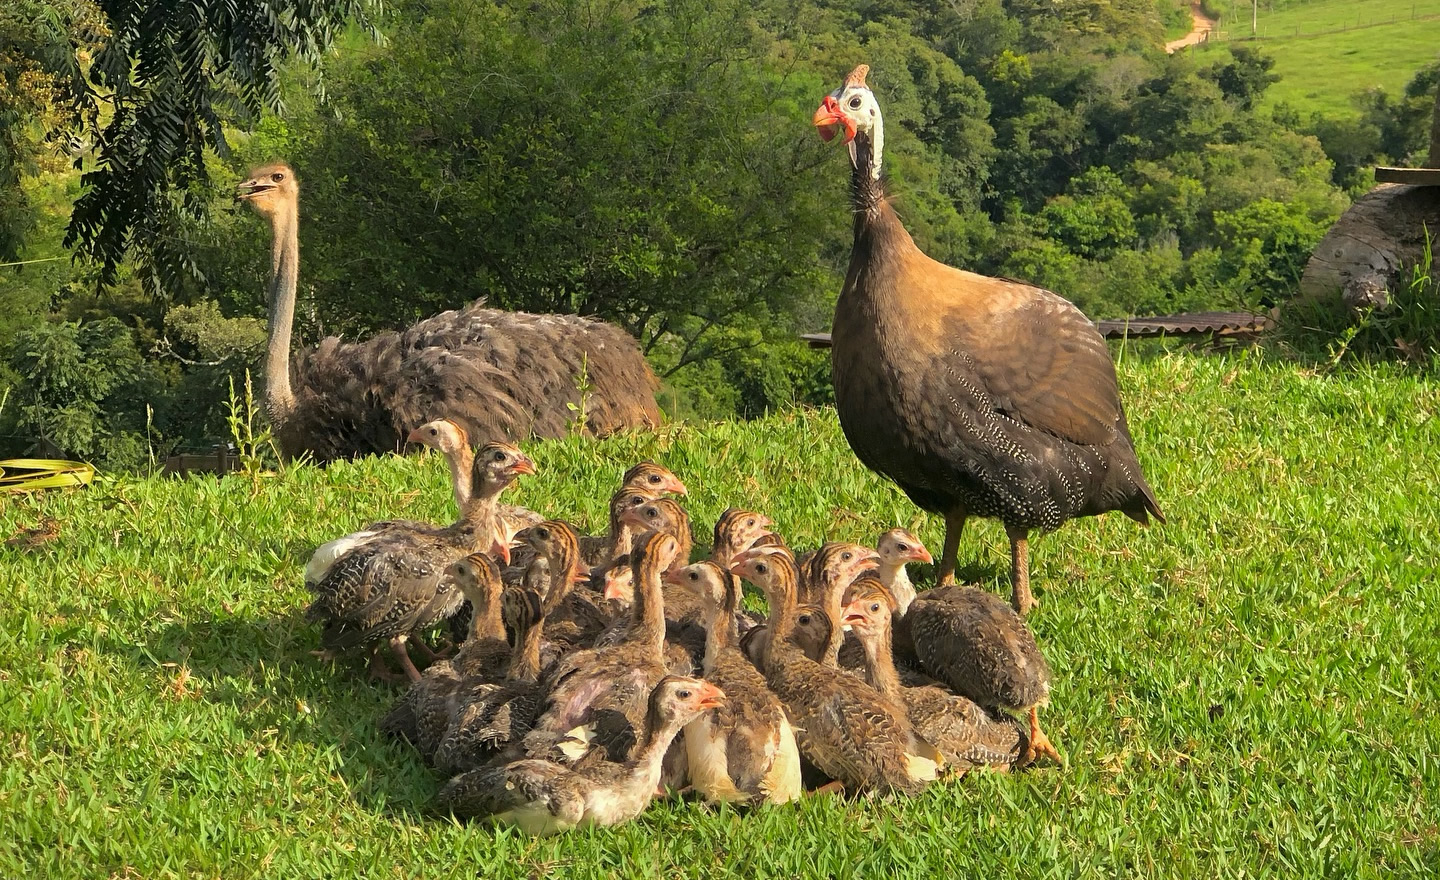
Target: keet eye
(543, 534)
(749, 522)
(654, 478)
(694, 576)
(845, 557)
(683, 694)
(761, 568)
(875, 606)
(499, 456)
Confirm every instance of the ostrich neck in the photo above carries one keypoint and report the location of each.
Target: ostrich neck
(880, 661)
(284, 273)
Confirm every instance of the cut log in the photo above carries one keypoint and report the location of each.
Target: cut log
(1370, 246)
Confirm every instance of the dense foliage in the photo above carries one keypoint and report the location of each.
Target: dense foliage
(652, 164)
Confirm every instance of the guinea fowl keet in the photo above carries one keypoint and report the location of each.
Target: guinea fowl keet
(963, 732)
(745, 750)
(978, 396)
(394, 585)
(498, 374)
(544, 797)
(843, 726)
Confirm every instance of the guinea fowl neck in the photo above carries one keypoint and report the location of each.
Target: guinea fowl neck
(660, 731)
(485, 621)
(780, 596)
(723, 632)
(647, 621)
(284, 275)
(525, 662)
(562, 574)
(462, 466)
(880, 659)
(897, 580)
(484, 495)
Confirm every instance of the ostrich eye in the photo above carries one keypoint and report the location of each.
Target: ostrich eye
(855, 103)
(277, 176)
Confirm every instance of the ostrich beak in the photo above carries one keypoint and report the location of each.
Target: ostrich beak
(251, 188)
(829, 119)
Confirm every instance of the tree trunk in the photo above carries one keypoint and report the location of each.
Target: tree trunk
(1369, 248)
(1434, 160)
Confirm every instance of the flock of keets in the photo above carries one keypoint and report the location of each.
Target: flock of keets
(590, 674)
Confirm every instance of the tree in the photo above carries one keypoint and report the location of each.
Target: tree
(157, 95)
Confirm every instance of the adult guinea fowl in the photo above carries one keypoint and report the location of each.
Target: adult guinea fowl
(495, 373)
(978, 396)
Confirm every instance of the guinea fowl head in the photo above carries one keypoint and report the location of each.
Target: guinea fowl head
(441, 435)
(660, 515)
(556, 542)
(869, 608)
(520, 609)
(838, 563)
(678, 699)
(270, 189)
(853, 108)
(737, 529)
(898, 546)
(707, 580)
(652, 477)
(496, 466)
(812, 630)
(478, 577)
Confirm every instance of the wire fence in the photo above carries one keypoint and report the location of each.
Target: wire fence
(1301, 30)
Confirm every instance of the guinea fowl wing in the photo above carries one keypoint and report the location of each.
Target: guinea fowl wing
(975, 643)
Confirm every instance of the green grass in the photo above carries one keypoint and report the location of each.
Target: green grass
(1322, 72)
(1248, 690)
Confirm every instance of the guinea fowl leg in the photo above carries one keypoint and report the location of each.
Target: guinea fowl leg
(1021, 598)
(377, 667)
(954, 525)
(397, 647)
(1040, 744)
(430, 654)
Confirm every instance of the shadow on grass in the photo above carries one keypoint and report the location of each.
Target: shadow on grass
(282, 698)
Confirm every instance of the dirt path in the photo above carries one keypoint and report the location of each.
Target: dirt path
(1202, 24)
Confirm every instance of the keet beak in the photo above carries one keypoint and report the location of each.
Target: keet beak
(579, 577)
(829, 119)
(523, 465)
(414, 436)
(613, 589)
(711, 697)
(674, 485)
(500, 550)
(673, 577)
(922, 555)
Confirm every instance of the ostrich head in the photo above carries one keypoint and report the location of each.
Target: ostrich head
(270, 189)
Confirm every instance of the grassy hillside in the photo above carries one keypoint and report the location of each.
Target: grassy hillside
(1249, 690)
(1327, 50)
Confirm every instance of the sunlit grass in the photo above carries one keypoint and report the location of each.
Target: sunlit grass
(1248, 690)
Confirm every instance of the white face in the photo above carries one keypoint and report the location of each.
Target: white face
(858, 105)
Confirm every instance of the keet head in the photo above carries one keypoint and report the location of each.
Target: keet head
(269, 189)
(705, 579)
(853, 109)
(651, 477)
(502, 463)
(683, 697)
(898, 547)
(868, 610)
(475, 573)
(442, 435)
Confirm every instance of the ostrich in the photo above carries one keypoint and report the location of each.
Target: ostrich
(499, 375)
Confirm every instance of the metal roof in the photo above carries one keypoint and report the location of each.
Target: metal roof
(1192, 324)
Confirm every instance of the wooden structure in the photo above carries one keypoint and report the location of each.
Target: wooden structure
(1368, 249)
(1214, 325)
(220, 460)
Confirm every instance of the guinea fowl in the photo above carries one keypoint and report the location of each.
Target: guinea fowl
(599, 693)
(393, 584)
(572, 617)
(898, 548)
(422, 714)
(544, 797)
(735, 531)
(973, 642)
(826, 574)
(963, 732)
(847, 729)
(978, 396)
(486, 715)
(496, 373)
(745, 750)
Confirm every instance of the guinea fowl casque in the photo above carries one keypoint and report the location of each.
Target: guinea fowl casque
(978, 396)
(498, 374)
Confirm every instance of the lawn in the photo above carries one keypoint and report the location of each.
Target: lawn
(1343, 47)
(1249, 690)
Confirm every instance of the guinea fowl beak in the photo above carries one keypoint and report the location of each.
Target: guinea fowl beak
(920, 554)
(415, 436)
(523, 465)
(829, 119)
(614, 589)
(674, 576)
(500, 550)
(674, 485)
(711, 697)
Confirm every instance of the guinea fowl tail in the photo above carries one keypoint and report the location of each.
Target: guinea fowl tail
(1144, 505)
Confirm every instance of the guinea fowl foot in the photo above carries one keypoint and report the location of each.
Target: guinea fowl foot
(430, 654)
(377, 668)
(1040, 745)
(397, 647)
